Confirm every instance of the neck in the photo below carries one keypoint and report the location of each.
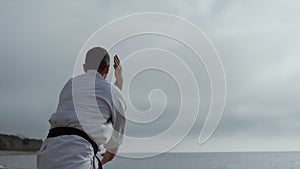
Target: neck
(101, 73)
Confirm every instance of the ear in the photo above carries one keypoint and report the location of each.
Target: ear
(106, 70)
(84, 68)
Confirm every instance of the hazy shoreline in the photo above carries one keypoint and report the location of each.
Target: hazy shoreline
(241, 160)
(8, 153)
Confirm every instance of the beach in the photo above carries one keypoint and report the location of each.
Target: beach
(6, 153)
(243, 160)
(17, 160)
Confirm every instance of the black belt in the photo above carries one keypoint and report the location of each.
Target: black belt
(60, 131)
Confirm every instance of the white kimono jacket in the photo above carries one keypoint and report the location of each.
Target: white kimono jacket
(89, 103)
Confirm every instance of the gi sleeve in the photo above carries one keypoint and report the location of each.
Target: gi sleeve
(118, 119)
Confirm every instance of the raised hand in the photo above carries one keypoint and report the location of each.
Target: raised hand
(118, 72)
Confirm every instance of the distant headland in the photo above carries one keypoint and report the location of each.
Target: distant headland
(16, 143)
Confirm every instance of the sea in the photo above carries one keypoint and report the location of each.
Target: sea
(245, 160)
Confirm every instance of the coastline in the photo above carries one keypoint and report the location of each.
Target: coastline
(9, 153)
(250, 160)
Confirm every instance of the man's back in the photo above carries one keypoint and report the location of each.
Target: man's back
(90, 113)
(86, 102)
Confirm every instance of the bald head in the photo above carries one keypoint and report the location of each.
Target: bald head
(97, 58)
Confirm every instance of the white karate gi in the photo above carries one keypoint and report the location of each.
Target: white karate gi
(89, 103)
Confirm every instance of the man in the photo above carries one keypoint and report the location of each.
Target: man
(90, 113)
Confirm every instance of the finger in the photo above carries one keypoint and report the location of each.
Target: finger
(116, 57)
(116, 63)
(117, 60)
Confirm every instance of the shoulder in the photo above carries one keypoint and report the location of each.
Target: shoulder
(67, 85)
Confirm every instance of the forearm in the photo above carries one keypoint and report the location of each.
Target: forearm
(119, 84)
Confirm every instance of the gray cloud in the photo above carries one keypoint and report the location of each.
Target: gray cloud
(257, 42)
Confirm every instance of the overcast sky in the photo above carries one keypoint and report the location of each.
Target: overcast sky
(257, 40)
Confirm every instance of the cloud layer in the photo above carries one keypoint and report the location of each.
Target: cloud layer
(256, 40)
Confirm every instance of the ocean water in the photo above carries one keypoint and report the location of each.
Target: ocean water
(282, 160)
